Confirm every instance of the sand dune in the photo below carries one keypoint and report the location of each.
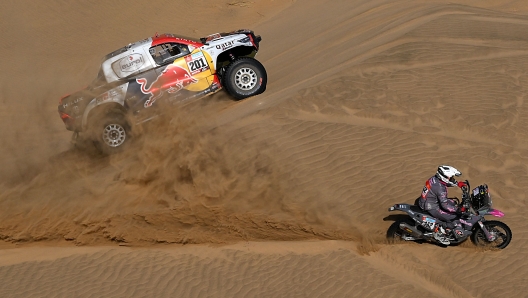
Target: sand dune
(280, 195)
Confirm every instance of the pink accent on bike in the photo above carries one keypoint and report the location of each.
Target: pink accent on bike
(496, 213)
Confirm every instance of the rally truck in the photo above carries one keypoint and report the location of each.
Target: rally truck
(134, 79)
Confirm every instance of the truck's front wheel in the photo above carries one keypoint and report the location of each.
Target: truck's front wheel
(245, 77)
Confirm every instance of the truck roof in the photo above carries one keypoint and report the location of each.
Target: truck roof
(154, 41)
(135, 57)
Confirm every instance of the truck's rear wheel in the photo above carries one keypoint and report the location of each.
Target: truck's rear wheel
(111, 134)
(245, 77)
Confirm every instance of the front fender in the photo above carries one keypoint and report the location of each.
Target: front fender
(494, 212)
(115, 96)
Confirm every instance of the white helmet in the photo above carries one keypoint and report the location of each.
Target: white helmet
(447, 174)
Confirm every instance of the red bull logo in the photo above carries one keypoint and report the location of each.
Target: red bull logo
(171, 80)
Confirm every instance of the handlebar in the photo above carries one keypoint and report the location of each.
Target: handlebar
(465, 195)
(466, 187)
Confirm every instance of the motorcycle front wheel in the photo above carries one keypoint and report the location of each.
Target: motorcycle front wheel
(500, 231)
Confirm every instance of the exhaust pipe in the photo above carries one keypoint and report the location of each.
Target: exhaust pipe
(411, 230)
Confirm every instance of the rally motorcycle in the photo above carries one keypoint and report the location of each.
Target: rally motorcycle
(420, 225)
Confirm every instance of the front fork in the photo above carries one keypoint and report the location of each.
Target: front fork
(488, 235)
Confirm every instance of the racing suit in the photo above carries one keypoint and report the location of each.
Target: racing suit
(434, 200)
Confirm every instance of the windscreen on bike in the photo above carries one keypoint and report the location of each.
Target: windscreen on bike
(480, 197)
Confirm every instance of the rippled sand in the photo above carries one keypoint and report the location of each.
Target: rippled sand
(281, 195)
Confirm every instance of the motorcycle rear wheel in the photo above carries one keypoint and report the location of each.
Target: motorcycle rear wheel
(395, 234)
(500, 230)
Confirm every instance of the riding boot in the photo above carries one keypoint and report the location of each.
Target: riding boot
(458, 232)
(440, 235)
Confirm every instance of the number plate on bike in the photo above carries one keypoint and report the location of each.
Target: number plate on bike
(428, 219)
(428, 222)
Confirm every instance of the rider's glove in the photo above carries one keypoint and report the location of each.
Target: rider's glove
(461, 210)
(461, 184)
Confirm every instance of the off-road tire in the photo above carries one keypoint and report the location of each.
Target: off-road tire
(394, 233)
(501, 228)
(245, 77)
(111, 133)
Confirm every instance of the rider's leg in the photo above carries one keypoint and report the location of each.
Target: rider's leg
(440, 234)
(444, 216)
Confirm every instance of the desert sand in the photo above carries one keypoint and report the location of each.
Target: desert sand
(280, 195)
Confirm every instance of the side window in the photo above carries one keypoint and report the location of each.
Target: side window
(167, 52)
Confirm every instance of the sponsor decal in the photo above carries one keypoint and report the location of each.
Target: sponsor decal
(466, 223)
(426, 189)
(196, 63)
(131, 63)
(225, 45)
(428, 222)
(428, 219)
(171, 80)
(75, 101)
(107, 95)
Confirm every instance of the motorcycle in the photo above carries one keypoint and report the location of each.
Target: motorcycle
(419, 225)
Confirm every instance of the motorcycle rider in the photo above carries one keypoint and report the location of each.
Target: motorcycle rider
(434, 200)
